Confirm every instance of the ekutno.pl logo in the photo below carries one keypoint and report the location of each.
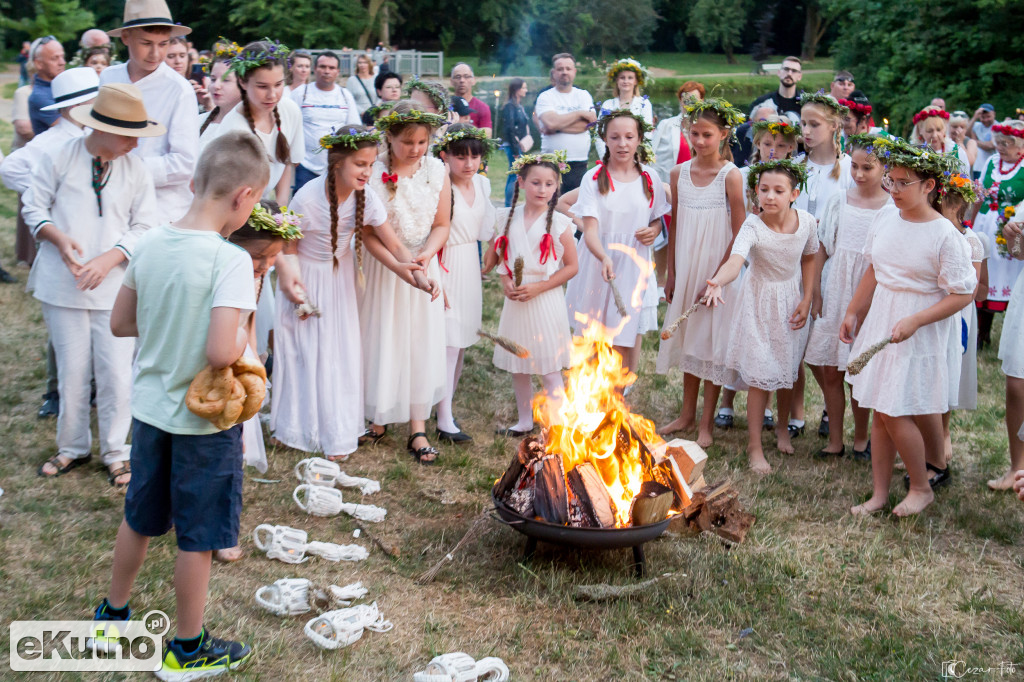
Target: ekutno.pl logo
(73, 645)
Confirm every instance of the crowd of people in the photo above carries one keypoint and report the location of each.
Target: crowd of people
(157, 193)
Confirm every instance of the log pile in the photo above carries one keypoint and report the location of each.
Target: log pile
(718, 510)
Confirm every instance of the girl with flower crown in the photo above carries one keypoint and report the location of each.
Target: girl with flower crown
(627, 79)
(707, 212)
(317, 401)
(931, 128)
(534, 313)
(620, 204)
(463, 148)
(403, 330)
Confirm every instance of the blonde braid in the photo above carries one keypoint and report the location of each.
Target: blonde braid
(837, 146)
(512, 209)
(360, 206)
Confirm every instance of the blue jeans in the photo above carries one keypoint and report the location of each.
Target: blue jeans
(510, 183)
(302, 176)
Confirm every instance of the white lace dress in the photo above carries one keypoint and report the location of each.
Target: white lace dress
(764, 352)
(842, 232)
(403, 331)
(460, 276)
(916, 265)
(619, 213)
(703, 233)
(317, 401)
(965, 338)
(821, 186)
(541, 325)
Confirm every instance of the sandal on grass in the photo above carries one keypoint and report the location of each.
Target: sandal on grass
(62, 468)
(940, 479)
(371, 437)
(425, 455)
(112, 475)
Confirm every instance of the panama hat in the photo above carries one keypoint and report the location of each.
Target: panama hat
(139, 13)
(73, 86)
(118, 109)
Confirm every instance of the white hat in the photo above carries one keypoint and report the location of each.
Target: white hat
(74, 86)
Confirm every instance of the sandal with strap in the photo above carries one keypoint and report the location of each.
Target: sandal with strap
(421, 453)
(940, 479)
(370, 437)
(125, 468)
(62, 468)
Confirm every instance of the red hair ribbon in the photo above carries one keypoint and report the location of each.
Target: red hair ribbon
(602, 167)
(501, 247)
(440, 254)
(386, 178)
(547, 248)
(650, 186)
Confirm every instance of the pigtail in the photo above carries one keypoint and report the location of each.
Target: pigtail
(246, 111)
(725, 149)
(551, 209)
(837, 145)
(603, 173)
(648, 189)
(390, 185)
(360, 206)
(209, 119)
(511, 210)
(283, 149)
(332, 200)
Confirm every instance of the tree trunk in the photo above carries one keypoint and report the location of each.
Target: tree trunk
(371, 12)
(812, 32)
(729, 57)
(385, 26)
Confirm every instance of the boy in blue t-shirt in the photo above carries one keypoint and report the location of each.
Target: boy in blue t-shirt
(183, 296)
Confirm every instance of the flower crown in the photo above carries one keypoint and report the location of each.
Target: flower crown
(922, 160)
(557, 158)
(730, 114)
(245, 61)
(780, 127)
(821, 98)
(226, 49)
(468, 133)
(878, 145)
(435, 91)
(1001, 129)
(284, 224)
(377, 108)
(856, 107)
(643, 76)
(388, 121)
(349, 137)
(606, 115)
(929, 113)
(962, 185)
(798, 170)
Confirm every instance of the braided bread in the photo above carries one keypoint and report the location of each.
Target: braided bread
(230, 395)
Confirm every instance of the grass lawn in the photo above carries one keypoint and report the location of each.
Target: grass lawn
(813, 593)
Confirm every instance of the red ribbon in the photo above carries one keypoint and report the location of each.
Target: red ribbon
(440, 254)
(501, 247)
(547, 248)
(650, 186)
(386, 178)
(602, 167)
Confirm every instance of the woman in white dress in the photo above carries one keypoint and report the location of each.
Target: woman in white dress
(919, 277)
(627, 78)
(463, 148)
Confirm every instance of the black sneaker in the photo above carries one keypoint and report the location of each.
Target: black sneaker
(213, 657)
(823, 425)
(50, 406)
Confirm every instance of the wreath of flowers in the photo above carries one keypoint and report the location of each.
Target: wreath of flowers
(730, 114)
(956, 183)
(226, 49)
(377, 108)
(821, 98)
(881, 146)
(435, 91)
(643, 76)
(1011, 131)
(930, 113)
(284, 224)
(386, 122)
(798, 170)
(470, 133)
(349, 137)
(605, 117)
(243, 62)
(558, 158)
(779, 127)
(856, 107)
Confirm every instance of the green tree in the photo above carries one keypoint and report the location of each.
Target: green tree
(621, 28)
(63, 19)
(321, 23)
(718, 24)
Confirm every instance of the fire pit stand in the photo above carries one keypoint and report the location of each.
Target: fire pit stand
(592, 538)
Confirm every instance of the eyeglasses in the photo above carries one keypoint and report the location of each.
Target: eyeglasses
(843, 80)
(789, 69)
(898, 185)
(42, 41)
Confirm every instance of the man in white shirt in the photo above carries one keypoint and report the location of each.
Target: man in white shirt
(325, 106)
(170, 101)
(566, 113)
(980, 128)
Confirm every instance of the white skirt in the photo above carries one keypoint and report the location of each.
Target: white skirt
(541, 325)
(462, 287)
(1011, 342)
(842, 275)
(254, 453)
(966, 325)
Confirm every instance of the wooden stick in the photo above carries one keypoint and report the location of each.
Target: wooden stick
(619, 305)
(508, 344)
(671, 329)
(475, 530)
(857, 365)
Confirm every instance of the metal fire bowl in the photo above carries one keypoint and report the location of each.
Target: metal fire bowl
(596, 538)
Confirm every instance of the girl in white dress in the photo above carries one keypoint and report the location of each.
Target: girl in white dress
(463, 148)
(768, 330)
(317, 401)
(534, 313)
(403, 330)
(627, 78)
(707, 212)
(621, 205)
(919, 277)
(1011, 352)
(839, 266)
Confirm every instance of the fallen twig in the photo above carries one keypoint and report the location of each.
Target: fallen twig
(475, 530)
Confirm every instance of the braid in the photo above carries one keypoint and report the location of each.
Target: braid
(390, 185)
(283, 149)
(648, 190)
(332, 200)
(603, 172)
(360, 205)
(246, 110)
(512, 209)
(209, 119)
(551, 209)
(451, 213)
(836, 138)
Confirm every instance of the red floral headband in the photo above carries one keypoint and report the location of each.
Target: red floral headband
(928, 113)
(1008, 130)
(854, 106)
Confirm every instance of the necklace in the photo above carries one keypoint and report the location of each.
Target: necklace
(1012, 168)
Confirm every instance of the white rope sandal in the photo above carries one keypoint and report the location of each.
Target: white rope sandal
(318, 471)
(365, 512)
(344, 596)
(285, 544)
(286, 597)
(333, 552)
(319, 501)
(337, 629)
(492, 669)
(455, 667)
(367, 486)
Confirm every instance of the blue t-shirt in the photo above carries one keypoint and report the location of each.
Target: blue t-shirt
(41, 97)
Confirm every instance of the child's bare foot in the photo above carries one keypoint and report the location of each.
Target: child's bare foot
(870, 507)
(228, 555)
(758, 464)
(1005, 482)
(914, 503)
(681, 424)
(704, 438)
(785, 445)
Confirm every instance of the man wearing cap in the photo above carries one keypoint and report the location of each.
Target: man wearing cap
(88, 203)
(47, 55)
(980, 128)
(170, 100)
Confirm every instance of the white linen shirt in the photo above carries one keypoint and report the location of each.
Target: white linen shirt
(322, 111)
(16, 169)
(61, 193)
(576, 145)
(171, 158)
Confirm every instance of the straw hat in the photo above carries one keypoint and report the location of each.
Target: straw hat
(74, 86)
(118, 109)
(139, 13)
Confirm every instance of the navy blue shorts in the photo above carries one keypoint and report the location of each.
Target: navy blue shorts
(193, 483)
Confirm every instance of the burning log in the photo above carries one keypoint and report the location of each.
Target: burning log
(550, 499)
(595, 506)
(652, 504)
(667, 474)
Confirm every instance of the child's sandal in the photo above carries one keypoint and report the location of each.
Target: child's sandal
(421, 453)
